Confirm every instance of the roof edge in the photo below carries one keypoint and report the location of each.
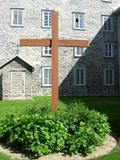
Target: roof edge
(14, 59)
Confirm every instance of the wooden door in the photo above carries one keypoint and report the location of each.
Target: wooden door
(17, 85)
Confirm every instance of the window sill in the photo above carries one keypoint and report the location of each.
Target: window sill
(75, 56)
(45, 86)
(17, 26)
(109, 57)
(108, 31)
(46, 27)
(106, 1)
(109, 85)
(80, 85)
(79, 29)
(49, 56)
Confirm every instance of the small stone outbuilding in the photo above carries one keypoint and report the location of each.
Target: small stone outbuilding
(16, 79)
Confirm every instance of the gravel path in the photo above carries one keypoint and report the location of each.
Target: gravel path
(109, 145)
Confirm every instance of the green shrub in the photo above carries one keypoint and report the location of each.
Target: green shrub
(36, 134)
(87, 128)
(39, 132)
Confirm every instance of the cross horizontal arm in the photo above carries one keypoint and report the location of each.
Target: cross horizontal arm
(35, 42)
(48, 42)
(73, 43)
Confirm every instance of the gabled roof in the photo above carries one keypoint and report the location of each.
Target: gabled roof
(19, 59)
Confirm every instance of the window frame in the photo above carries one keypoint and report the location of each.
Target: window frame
(112, 50)
(43, 24)
(84, 78)
(80, 50)
(113, 77)
(49, 48)
(12, 17)
(74, 20)
(103, 23)
(43, 80)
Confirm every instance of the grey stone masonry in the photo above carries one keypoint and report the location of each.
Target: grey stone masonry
(16, 79)
(93, 60)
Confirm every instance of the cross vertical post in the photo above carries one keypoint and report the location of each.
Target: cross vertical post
(55, 45)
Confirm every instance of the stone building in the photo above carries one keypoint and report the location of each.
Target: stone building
(83, 71)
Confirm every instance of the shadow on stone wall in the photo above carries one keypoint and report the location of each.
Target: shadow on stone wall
(94, 60)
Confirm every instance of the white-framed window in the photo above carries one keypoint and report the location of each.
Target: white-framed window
(17, 17)
(108, 49)
(78, 20)
(46, 51)
(46, 18)
(107, 22)
(80, 76)
(109, 76)
(79, 51)
(46, 76)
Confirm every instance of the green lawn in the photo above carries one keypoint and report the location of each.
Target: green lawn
(108, 105)
(20, 106)
(3, 157)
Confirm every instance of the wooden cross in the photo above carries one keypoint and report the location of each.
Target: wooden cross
(55, 43)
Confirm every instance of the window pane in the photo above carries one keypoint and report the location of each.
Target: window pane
(108, 49)
(82, 77)
(109, 24)
(79, 51)
(45, 76)
(109, 76)
(47, 50)
(77, 77)
(79, 20)
(50, 76)
(15, 17)
(47, 16)
(20, 17)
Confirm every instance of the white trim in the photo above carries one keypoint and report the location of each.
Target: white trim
(74, 20)
(12, 17)
(113, 77)
(84, 78)
(81, 50)
(48, 49)
(43, 25)
(43, 84)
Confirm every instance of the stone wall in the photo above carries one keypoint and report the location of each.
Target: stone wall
(94, 57)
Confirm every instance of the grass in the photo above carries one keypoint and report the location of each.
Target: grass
(20, 106)
(3, 157)
(108, 105)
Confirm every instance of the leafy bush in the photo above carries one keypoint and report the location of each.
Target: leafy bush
(87, 128)
(36, 134)
(72, 130)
